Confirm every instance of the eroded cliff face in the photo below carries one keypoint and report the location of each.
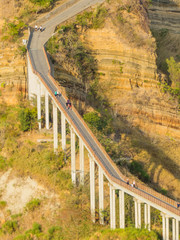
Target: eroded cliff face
(128, 77)
(12, 66)
(164, 14)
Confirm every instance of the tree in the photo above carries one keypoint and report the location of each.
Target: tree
(28, 119)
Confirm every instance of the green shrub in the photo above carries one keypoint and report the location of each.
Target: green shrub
(3, 163)
(3, 84)
(163, 191)
(33, 204)
(10, 227)
(46, 3)
(137, 169)
(95, 120)
(28, 119)
(22, 50)
(2, 204)
(15, 216)
(55, 232)
(36, 228)
(22, 237)
(174, 72)
(99, 17)
(12, 30)
(128, 233)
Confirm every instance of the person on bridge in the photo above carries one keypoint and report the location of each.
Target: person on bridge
(134, 183)
(68, 104)
(40, 28)
(36, 28)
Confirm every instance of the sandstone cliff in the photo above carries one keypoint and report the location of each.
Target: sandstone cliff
(126, 57)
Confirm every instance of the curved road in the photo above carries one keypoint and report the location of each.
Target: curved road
(40, 65)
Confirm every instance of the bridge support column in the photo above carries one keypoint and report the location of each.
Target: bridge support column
(73, 156)
(63, 131)
(101, 195)
(147, 216)
(139, 213)
(112, 208)
(167, 227)
(92, 188)
(163, 227)
(39, 104)
(121, 210)
(177, 229)
(81, 160)
(173, 229)
(136, 213)
(55, 127)
(47, 109)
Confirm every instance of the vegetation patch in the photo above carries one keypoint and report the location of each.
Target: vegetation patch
(9, 227)
(28, 118)
(13, 30)
(45, 3)
(128, 233)
(137, 169)
(2, 204)
(33, 204)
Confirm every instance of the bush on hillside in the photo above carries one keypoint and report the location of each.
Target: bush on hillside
(13, 30)
(174, 72)
(2, 204)
(43, 3)
(33, 204)
(3, 163)
(28, 119)
(128, 233)
(137, 169)
(9, 227)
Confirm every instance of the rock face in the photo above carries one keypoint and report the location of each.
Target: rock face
(12, 66)
(164, 14)
(128, 78)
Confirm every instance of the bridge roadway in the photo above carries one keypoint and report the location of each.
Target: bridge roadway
(40, 65)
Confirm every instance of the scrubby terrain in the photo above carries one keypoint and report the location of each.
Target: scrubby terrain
(38, 200)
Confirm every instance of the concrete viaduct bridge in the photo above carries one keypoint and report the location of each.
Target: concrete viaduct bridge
(41, 83)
